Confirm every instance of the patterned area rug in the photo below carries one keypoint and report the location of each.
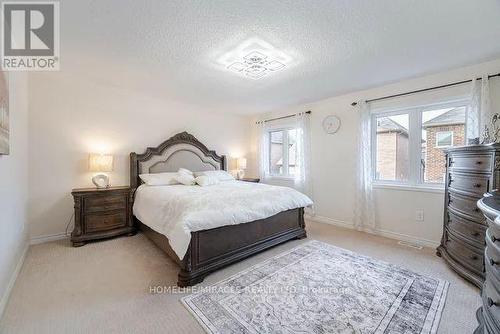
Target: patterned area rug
(319, 288)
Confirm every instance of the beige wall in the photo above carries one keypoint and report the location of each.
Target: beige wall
(334, 160)
(70, 117)
(14, 187)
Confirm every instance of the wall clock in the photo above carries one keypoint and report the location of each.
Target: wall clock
(331, 124)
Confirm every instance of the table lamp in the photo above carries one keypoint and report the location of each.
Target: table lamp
(241, 166)
(100, 163)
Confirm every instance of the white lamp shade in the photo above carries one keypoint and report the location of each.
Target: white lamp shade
(100, 162)
(242, 163)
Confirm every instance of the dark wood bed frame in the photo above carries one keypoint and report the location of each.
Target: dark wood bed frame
(215, 248)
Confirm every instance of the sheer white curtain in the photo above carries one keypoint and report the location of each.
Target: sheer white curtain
(263, 151)
(302, 177)
(364, 208)
(479, 112)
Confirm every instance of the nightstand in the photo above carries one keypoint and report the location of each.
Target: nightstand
(249, 179)
(101, 213)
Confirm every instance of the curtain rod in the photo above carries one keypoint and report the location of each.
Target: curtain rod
(425, 89)
(282, 117)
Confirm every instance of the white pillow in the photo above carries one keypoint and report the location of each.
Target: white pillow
(187, 180)
(185, 171)
(204, 180)
(159, 179)
(221, 175)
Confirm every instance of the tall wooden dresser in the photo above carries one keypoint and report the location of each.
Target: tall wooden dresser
(471, 171)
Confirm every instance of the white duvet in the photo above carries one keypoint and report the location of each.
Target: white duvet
(178, 210)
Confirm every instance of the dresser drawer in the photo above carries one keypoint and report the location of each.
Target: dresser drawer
(465, 206)
(491, 302)
(105, 203)
(473, 185)
(492, 271)
(463, 253)
(104, 221)
(470, 231)
(476, 163)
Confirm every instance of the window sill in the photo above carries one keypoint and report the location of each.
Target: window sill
(420, 188)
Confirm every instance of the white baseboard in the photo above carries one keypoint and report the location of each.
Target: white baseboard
(47, 238)
(13, 278)
(381, 232)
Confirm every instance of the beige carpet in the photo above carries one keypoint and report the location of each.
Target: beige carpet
(104, 287)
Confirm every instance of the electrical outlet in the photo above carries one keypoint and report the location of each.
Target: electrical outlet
(419, 215)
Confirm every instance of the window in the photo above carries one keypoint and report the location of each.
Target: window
(392, 147)
(282, 152)
(444, 138)
(408, 144)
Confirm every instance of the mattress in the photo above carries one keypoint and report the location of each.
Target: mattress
(177, 210)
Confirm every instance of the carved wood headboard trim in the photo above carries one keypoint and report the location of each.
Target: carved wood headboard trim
(180, 138)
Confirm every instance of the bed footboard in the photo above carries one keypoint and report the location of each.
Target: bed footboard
(213, 249)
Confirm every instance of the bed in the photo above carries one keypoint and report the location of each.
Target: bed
(207, 249)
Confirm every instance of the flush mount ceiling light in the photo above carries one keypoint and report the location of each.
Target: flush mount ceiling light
(255, 59)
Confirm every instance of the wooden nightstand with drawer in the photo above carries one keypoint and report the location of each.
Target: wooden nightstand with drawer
(101, 213)
(250, 179)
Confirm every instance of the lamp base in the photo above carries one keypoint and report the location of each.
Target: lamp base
(101, 181)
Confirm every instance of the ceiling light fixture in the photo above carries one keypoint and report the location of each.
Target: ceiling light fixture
(255, 59)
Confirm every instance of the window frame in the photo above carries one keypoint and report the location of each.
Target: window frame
(416, 175)
(286, 174)
(437, 141)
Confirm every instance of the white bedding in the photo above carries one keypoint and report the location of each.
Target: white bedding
(178, 210)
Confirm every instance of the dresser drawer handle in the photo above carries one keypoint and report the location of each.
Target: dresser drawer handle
(493, 262)
(477, 185)
(451, 162)
(491, 302)
(476, 234)
(477, 210)
(479, 162)
(474, 257)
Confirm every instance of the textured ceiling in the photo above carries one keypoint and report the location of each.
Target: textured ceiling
(170, 48)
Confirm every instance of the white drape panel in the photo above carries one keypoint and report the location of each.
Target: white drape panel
(473, 124)
(485, 108)
(263, 151)
(302, 177)
(364, 208)
(479, 112)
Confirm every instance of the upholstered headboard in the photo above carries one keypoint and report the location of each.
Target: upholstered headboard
(182, 150)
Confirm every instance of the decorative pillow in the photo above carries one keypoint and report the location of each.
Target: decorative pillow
(221, 175)
(159, 179)
(185, 171)
(187, 180)
(204, 180)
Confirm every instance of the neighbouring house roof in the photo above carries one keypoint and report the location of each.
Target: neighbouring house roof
(385, 124)
(454, 116)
